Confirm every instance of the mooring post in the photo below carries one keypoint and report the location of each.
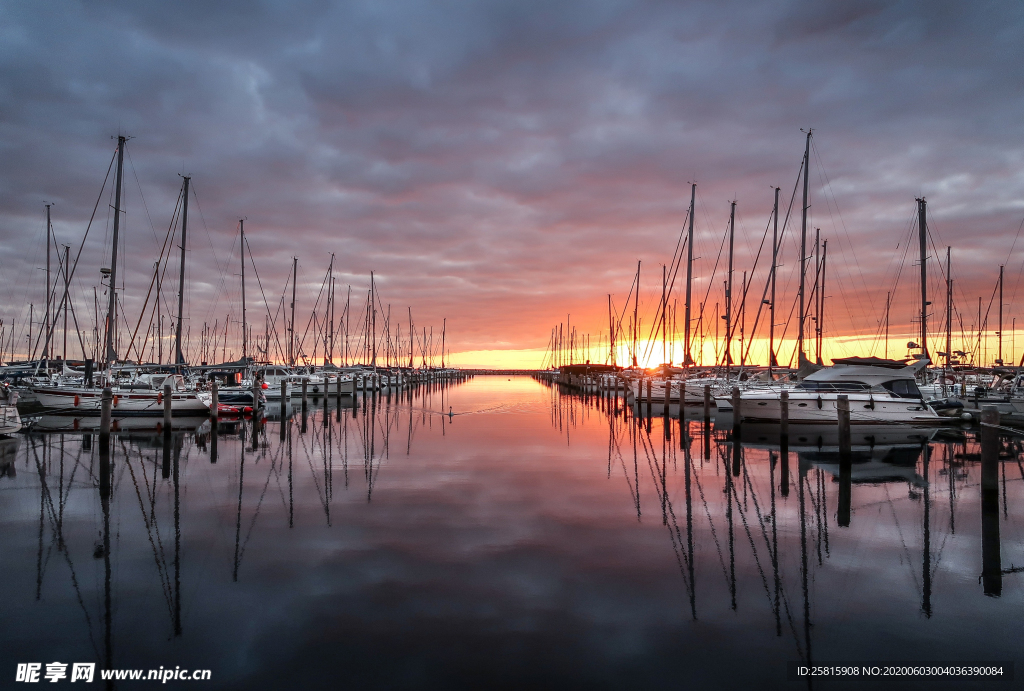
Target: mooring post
(736, 411)
(650, 395)
(668, 394)
(784, 417)
(214, 401)
(255, 394)
(845, 461)
(167, 410)
(305, 394)
(784, 442)
(355, 393)
(105, 404)
(284, 399)
(989, 448)
(707, 405)
(991, 561)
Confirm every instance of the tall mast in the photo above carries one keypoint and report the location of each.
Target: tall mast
(728, 289)
(67, 287)
(179, 359)
(817, 294)
(949, 310)
(1000, 315)
(664, 315)
(241, 253)
(803, 253)
(46, 347)
(373, 318)
(636, 308)
(412, 345)
(821, 301)
(291, 330)
(775, 262)
(611, 332)
(444, 324)
(687, 357)
(108, 350)
(922, 224)
(888, 299)
(159, 318)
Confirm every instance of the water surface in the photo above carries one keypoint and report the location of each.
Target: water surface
(501, 533)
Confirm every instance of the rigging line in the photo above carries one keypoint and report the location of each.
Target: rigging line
(842, 223)
(216, 260)
(88, 227)
(711, 524)
(273, 318)
(312, 314)
(903, 540)
(753, 548)
(165, 582)
(171, 227)
(256, 513)
(67, 557)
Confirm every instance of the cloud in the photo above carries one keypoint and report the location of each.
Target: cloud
(503, 164)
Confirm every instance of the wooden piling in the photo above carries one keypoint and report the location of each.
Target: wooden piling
(845, 462)
(305, 394)
(736, 410)
(214, 401)
(167, 409)
(707, 405)
(989, 448)
(106, 401)
(784, 417)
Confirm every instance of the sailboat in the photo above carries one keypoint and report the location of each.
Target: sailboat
(879, 391)
(130, 400)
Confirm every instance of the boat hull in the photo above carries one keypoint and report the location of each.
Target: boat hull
(821, 408)
(143, 403)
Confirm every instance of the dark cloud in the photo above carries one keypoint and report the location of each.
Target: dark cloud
(501, 164)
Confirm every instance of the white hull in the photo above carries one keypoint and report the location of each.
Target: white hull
(89, 402)
(820, 408)
(10, 421)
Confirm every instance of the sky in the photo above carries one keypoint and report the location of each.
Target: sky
(501, 167)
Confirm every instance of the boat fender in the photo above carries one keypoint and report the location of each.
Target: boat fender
(160, 398)
(77, 400)
(819, 402)
(115, 400)
(871, 402)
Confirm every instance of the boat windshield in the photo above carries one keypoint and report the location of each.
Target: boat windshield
(832, 386)
(903, 388)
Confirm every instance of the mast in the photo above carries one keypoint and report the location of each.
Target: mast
(67, 280)
(444, 323)
(775, 261)
(241, 253)
(373, 318)
(636, 308)
(728, 290)
(291, 330)
(999, 360)
(687, 357)
(821, 301)
(412, 346)
(922, 224)
(664, 315)
(949, 312)
(46, 347)
(888, 298)
(816, 294)
(803, 254)
(109, 354)
(179, 359)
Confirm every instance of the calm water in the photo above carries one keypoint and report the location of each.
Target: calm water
(530, 539)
